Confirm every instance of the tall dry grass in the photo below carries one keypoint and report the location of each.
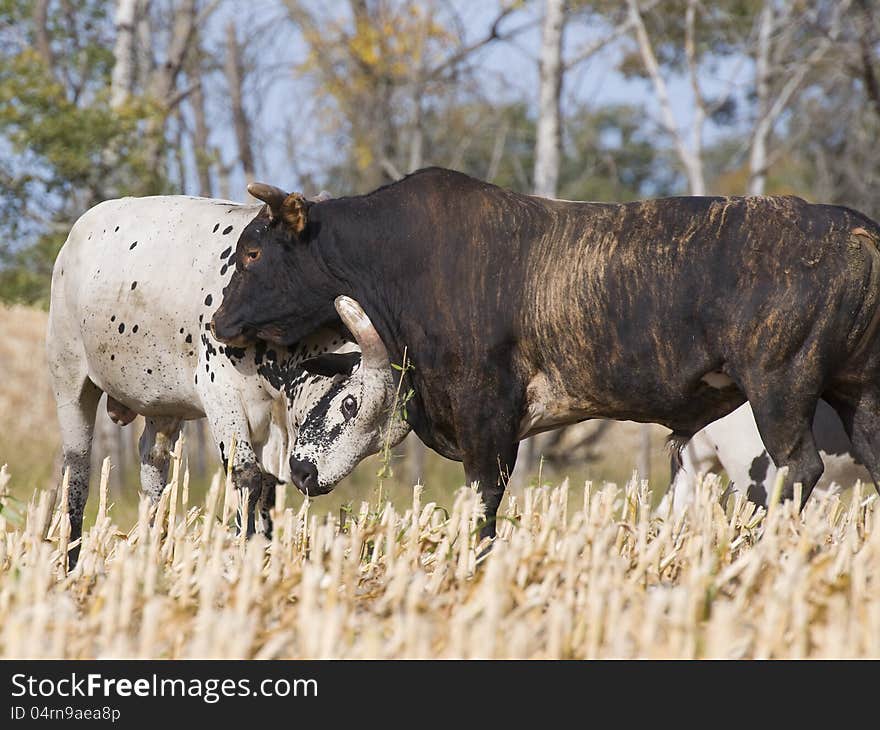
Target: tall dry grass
(596, 573)
(29, 436)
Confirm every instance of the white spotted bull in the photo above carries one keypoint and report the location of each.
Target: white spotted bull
(356, 412)
(133, 289)
(732, 444)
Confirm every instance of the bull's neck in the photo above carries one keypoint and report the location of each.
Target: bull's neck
(368, 260)
(358, 254)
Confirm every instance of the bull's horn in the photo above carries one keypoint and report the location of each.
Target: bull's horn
(373, 352)
(270, 195)
(321, 197)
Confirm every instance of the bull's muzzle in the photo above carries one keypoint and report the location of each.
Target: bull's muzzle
(235, 335)
(305, 475)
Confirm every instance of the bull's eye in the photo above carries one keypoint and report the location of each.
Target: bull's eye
(252, 255)
(349, 406)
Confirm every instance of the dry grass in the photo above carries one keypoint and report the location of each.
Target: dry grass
(593, 574)
(28, 425)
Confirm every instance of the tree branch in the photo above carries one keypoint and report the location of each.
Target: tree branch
(620, 30)
(866, 48)
(492, 35)
(692, 165)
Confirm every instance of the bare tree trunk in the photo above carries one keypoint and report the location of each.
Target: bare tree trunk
(40, 17)
(867, 45)
(794, 75)
(498, 150)
(698, 185)
(234, 79)
(549, 135)
(165, 77)
(144, 61)
(417, 143)
(122, 81)
(693, 164)
(223, 180)
(179, 160)
(200, 131)
(163, 83)
(758, 151)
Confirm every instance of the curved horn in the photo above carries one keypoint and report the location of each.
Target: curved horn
(373, 352)
(270, 195)
(321, 197)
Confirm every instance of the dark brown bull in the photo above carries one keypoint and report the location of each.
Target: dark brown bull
(521, 314)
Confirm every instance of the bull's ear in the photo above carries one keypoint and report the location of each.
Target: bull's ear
(333, 363)
(295, 213)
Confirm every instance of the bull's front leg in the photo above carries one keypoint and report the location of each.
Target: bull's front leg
(488, 443)
(490, 467)
(228, 422)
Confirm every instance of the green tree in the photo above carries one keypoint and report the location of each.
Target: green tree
(65, 147)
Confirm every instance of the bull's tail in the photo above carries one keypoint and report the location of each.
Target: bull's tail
(676, 443)
(869, 242)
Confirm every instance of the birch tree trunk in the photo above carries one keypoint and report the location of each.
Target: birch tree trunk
(774, 60)
(122, 80)
(758, 151)
(163, 81)
(40, 17)
(200, 126)
(234, 79)
(549, 135)
(145, 62)
(692, 163)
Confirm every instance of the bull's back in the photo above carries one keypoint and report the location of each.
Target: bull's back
(136, 282)
(630, 306)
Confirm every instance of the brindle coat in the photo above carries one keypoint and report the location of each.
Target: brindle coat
(521, 314)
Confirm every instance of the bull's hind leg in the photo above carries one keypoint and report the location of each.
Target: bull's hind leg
(76, 418)
(155, 446)
(267, 502)
(784, 408)
(861, 421)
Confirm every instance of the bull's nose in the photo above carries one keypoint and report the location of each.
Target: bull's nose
(237, 335)
(305, 475)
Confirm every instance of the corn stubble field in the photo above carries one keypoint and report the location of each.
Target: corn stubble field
(592, 572)
(577, 572)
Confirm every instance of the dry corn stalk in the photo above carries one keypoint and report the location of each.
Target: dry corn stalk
(581, 573)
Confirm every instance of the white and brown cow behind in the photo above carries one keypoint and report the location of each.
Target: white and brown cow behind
(133, 290)
(733, 444)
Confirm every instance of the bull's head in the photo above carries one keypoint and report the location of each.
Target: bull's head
(275, 275)
(354, 417)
